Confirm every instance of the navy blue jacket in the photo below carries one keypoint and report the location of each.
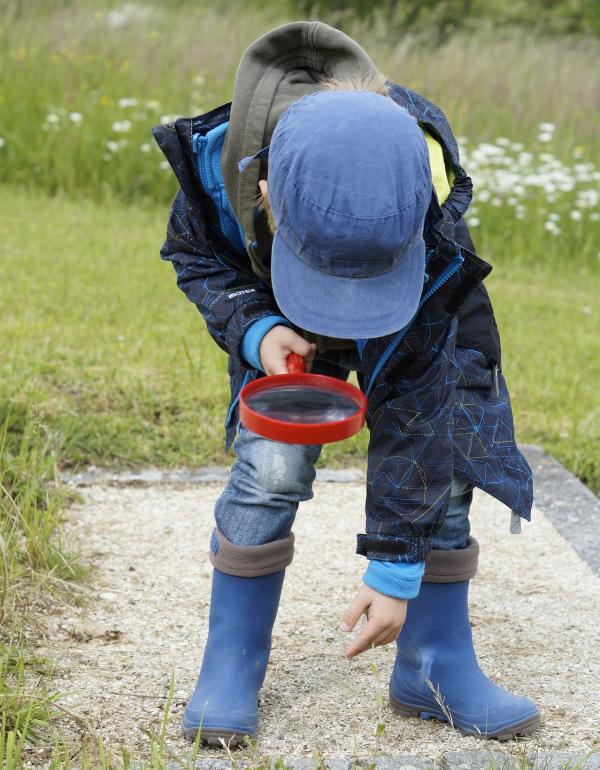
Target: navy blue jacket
(438, 405)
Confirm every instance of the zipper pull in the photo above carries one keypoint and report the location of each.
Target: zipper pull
(495, 370)
(197, 141)
(515, 523)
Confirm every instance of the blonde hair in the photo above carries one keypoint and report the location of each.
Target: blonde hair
(374, 81)
(264, 205)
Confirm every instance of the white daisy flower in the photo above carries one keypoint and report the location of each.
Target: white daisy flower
(121, 126)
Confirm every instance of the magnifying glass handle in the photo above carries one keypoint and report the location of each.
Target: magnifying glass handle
(295, 364)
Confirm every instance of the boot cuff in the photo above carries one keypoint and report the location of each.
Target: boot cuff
(452, 566)
(250, 560)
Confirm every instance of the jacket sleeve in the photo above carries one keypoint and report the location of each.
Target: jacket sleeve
(410, 465)
(229, 298)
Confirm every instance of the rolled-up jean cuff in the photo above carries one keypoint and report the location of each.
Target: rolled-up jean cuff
(452, 566)
(250, 560)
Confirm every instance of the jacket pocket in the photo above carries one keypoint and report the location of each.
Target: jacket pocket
(473, 370)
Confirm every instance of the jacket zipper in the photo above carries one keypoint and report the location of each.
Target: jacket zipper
(451, 270)
(495, 379)
(209, 177)
(199, 146)
(199, 143)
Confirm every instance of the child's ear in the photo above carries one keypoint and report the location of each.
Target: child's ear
(264, 205)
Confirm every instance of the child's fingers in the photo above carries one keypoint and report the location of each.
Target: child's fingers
(355, 609)
(275, 362)
(310, 357)
(369, 637)
(386, 636)
(299, 345)
(276, 346)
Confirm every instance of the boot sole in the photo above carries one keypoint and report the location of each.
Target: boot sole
(509, 733)
(213, 735)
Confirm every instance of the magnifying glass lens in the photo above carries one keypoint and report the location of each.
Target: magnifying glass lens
(302, 405)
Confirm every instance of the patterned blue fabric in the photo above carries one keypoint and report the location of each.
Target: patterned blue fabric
(432, 411)
(484, 448)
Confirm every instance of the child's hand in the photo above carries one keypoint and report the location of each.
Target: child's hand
(276, 346)
(385, 614)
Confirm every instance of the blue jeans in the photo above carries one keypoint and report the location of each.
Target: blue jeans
(269, 479)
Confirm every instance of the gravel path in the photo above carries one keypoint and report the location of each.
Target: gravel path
(535, 611)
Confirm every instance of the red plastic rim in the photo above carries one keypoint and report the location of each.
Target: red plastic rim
(306, 433)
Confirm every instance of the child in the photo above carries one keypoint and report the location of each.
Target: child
(321, 213)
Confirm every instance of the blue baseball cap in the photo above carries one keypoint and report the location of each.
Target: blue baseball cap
(349, 186)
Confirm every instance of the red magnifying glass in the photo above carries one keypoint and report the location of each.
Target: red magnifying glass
(302, 408)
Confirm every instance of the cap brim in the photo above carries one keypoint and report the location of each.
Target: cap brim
(346, 308)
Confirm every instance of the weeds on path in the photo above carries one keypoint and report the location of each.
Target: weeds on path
(34, 568)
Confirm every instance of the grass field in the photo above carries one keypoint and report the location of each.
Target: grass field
(105, 362)
(118, 366)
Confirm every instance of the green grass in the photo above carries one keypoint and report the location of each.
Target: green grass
(114, 360)
(118, 365)
(550, 328)
(36, 568)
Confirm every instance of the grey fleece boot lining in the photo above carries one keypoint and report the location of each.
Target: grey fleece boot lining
(252, 560)
(452, 566)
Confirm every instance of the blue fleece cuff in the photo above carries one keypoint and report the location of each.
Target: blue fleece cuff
(254, 336)
(400, 579)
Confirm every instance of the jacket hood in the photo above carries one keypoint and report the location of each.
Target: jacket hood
(279, 68)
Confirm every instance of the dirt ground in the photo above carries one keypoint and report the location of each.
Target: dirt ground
(535, 611)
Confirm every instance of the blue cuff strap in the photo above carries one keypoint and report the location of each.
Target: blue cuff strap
(400, 579)
(254, 336)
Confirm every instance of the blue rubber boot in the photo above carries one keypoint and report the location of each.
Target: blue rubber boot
(436, 674)
(224, 703)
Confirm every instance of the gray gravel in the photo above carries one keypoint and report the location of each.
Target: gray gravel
(535, 610)
(452, 760)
